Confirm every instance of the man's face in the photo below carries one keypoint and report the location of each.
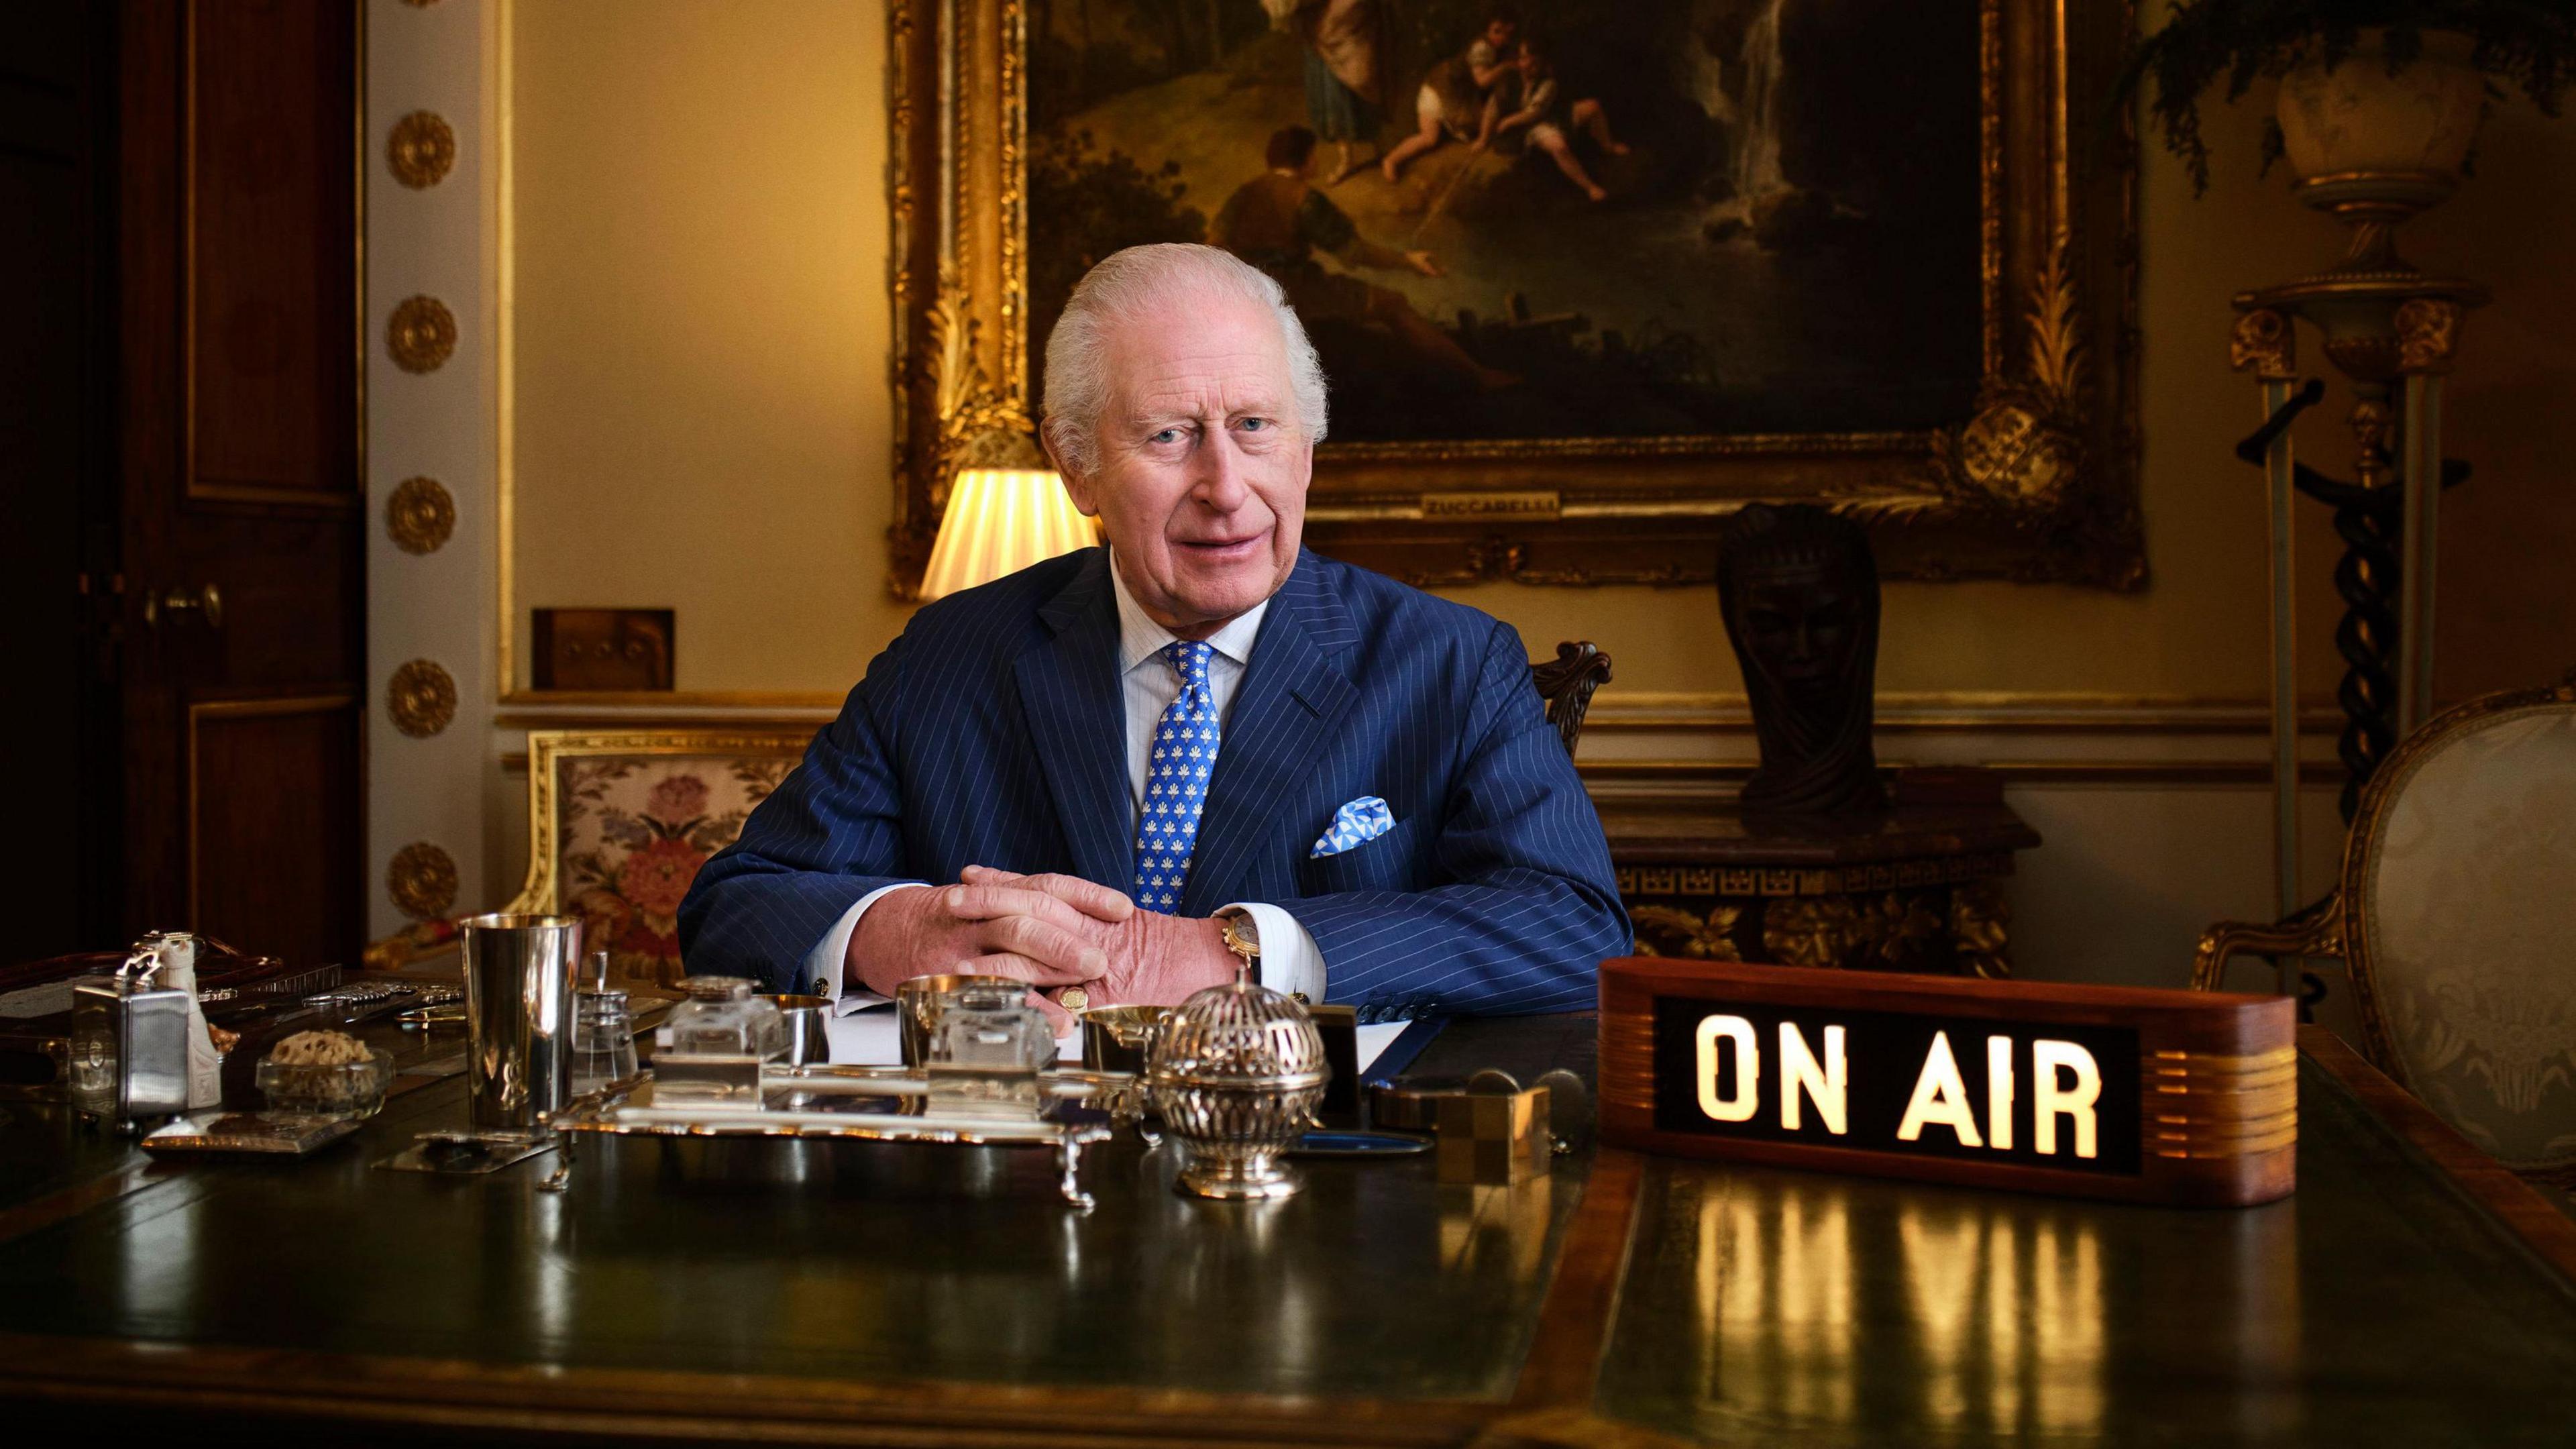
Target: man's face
(1203, 462)
(1498, 34)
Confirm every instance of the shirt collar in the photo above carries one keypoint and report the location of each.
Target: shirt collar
(1140, 638)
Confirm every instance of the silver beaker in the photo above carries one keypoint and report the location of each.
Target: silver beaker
(518, 1017)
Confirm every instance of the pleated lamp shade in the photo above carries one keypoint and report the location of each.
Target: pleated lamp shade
(1000, 521)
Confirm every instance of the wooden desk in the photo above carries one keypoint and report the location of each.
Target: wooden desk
(881, 1296)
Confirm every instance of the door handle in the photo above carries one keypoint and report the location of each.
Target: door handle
(207, 600)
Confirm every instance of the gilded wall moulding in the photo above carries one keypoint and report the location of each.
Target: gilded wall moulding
(419, 516)
(2019, 460)
(421, 879)
(421, 149)
(421, 334)
(421, 698)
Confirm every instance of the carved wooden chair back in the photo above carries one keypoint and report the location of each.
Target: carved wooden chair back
(618, 825)
(1566, 684)
(2454, 912)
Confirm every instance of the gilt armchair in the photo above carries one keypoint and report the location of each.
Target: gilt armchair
(618, 825)
(2454, 916)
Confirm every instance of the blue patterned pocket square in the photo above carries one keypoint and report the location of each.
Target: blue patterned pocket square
(1354, 825)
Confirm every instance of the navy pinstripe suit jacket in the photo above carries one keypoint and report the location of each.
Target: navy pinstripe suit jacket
(992, 732)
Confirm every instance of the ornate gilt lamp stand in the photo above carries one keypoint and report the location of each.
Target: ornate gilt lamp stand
(2390, 329)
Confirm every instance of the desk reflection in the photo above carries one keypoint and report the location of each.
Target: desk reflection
(1834, 1308)
(847, 1260)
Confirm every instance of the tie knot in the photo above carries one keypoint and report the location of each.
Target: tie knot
(1190, 659)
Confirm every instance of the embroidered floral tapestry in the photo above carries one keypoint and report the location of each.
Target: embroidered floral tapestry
(633, 832)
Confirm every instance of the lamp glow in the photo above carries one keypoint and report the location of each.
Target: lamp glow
(999, 521)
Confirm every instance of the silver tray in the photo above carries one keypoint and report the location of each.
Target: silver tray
(846, 1102)
(265, 1134)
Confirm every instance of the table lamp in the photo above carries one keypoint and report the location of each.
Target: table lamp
(999, 521)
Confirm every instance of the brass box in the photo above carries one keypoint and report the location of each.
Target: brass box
(1492, 1137)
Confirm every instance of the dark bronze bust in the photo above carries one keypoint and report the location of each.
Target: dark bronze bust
(1799, 592)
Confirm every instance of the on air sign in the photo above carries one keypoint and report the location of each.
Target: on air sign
(2103, 1091)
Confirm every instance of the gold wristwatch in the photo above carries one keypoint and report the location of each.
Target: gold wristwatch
(1234, 927)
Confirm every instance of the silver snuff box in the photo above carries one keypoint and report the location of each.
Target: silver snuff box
(1236, 1072)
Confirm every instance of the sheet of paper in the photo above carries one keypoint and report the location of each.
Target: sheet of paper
(1377, 1038)
(867, 1038)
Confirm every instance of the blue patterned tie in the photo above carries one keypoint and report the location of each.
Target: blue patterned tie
(1176, 781)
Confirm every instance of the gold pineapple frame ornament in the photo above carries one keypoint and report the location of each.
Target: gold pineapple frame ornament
(2039, 483)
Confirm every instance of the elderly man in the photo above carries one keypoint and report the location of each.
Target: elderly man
(1132, 772)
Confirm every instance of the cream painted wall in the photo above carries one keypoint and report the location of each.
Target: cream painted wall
(702, 410)
(703, 415)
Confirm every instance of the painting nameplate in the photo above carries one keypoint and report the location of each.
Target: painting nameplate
(2120, 1092)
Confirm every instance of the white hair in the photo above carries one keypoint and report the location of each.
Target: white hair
(1141, 282)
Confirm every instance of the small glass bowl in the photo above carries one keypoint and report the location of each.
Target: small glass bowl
(352, 1090)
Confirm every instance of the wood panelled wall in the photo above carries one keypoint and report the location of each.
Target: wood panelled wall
(241, 496)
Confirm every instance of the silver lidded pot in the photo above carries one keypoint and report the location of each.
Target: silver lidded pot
(1236, 1072)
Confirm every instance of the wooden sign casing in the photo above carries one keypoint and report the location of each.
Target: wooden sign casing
(2179, 1097)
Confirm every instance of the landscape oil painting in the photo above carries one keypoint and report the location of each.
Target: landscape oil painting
(1545, 219)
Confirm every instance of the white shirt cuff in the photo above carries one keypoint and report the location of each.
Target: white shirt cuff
(1290, 960)
(824, 967)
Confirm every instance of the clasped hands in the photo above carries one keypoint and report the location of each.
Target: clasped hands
(1051, 931)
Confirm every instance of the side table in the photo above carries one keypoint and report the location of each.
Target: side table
(1916, 887)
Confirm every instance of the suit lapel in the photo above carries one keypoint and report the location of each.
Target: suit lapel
(1293, 694)
(1069, 694)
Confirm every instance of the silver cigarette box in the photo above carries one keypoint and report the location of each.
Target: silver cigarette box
(129, 1058)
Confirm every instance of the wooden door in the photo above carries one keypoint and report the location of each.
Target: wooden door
(242, 498)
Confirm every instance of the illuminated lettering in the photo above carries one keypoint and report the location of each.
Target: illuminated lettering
(2049, 1098)
(1748, 1068)
(1999, 1092)
(1801, 1075)
(1940, 1098)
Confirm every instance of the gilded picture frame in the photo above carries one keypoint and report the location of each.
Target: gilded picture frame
(2037, 483)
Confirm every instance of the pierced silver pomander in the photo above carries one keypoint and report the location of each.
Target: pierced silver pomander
(1236, 1072)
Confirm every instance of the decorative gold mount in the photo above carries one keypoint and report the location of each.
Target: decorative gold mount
(421, 334)
(421, 698)
(420, 150)
(421, 879)
(419, 515)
